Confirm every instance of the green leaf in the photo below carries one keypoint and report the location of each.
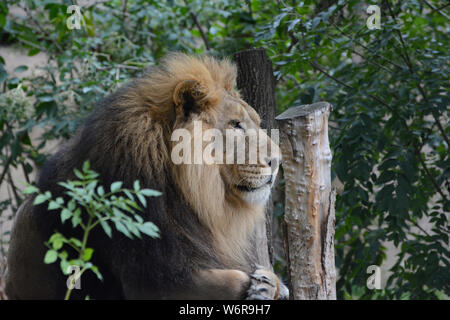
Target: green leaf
(315, 22)
(128, 194)
(106, 228)
(77, 243)
(58, 243)
(150, 229)
(53, 205)
(65, 214)
(97, 273)
(30, 189)
(133, 228)
(33, 52)
(76, 219)
(142, 199)
(138, 219)
(86, 166)
(2, 20)
(136, 185)
(87, 254)
(50, 256)
(115, 186)
(100, 191)
(78, 174)
(121, 228)
(278, 19)
(71, 205)
(40, 199)
(293, 24)
(64, 265)
(150, 193)
(21, 69)
(76, 262)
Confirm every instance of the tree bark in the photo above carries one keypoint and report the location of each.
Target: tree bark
(309, 201)
(256, 83)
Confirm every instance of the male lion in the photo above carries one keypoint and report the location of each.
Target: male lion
(206, 215)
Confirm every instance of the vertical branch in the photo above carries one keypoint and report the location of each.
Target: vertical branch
(124, 14)
(309, 208)
(14, 189)
(25, 173)
(199, 27)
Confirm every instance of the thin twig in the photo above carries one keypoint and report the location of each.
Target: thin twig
(31, 44)
(438, 10)
(199, 27)
(436, 119)
(427, 172)
(422, 229)
(124, 14)
(442, 7)
(123, 66)
(25, 173)
(5, 168)
(14, 189)
(249, 5)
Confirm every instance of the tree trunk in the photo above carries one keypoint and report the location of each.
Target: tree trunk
(257, 86)
(309, 205)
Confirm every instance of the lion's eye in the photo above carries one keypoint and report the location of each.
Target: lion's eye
(236, 124)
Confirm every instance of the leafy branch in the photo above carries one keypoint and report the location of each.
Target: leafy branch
(89, 206)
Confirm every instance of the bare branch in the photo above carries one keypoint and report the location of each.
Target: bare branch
(199, 27)
(438, 10)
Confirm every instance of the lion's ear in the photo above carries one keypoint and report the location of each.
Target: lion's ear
(188, 97)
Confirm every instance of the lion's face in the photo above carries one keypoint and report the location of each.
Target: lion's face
(252, 177)
(246, 159)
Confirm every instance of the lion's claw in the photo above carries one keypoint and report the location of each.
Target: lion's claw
(264, 285)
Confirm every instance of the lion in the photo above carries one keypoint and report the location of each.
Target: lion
(207, 213)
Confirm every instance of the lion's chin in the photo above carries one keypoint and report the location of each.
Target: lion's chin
(255, 195)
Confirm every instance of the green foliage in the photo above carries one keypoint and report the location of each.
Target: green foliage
(389, 135)
(389, 88)
(89, 206)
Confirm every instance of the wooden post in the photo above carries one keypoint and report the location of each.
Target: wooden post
(309, 205)
(257, 86)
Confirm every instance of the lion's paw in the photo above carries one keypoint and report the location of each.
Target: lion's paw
(264, 285)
